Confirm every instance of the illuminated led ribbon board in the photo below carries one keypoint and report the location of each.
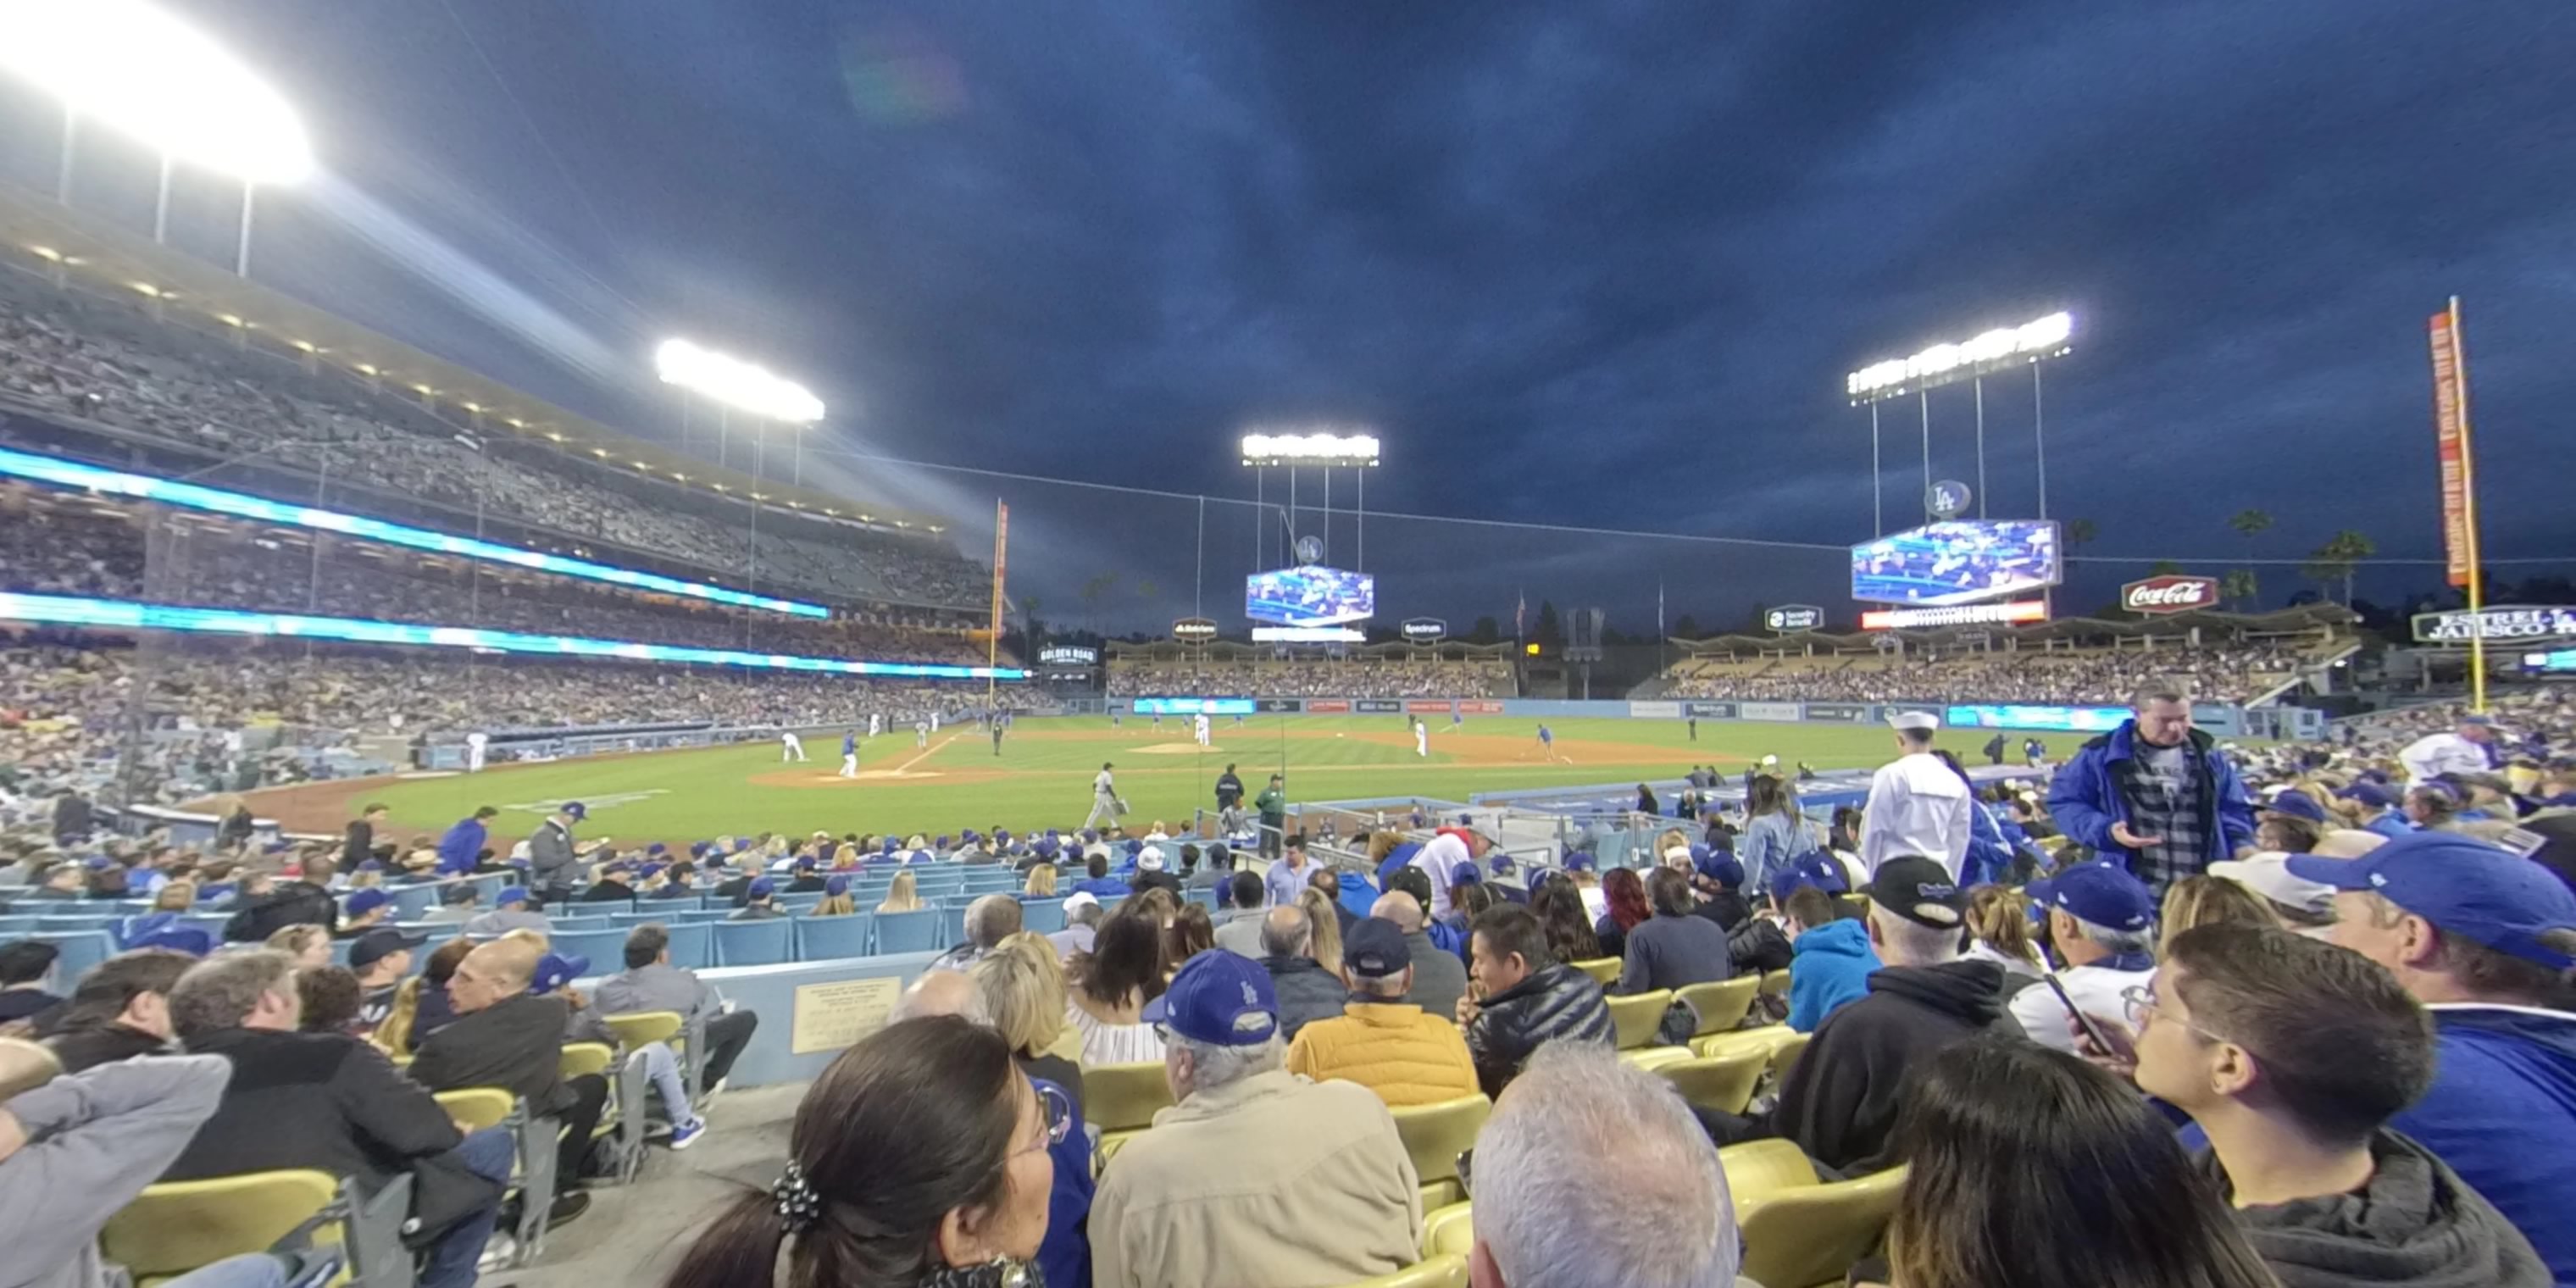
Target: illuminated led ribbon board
(47, 469)
(133, 615)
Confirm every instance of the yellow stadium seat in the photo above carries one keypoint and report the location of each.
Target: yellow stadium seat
(635, 1028)
(1435, 1135)
(1654, 1057)
(1124, 1097)
(1448, 1231)
(1721, 1005)
(1637, 1016)
(1776, 984)
(1812, 1234)
(1603, 970)
(1438, 1272)
(1723, 1082)
(1758, 1169)
(177, 1226)
(1786, 1054)
(1765, 1040)
(476, 1108)
(586, 1057)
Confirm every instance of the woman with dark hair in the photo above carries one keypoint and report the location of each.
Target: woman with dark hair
(1192, 932)
(1625, 892)
(1646, 803)
(2031, 1167)
(330, 996)
(431, 1009)
(1558, 906)
(920, 1157)
(1676, 946)
(1110, 986)
(1989, 859)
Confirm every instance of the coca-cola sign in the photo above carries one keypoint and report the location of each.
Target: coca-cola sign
(2169, 594)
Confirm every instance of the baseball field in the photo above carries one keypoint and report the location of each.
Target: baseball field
(1042, 775)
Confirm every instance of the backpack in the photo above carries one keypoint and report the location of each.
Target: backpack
(297, 904)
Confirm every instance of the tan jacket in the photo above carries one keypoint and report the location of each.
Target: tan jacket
(1405, 1056)
(1273, 1182)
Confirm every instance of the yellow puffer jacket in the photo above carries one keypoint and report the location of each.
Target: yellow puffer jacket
(1393, 1049)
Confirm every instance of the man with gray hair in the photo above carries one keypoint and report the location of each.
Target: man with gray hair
(1840, 1099)
(2155, 795)
(1543, 1216)
(1307, 992)
(989, 921)
(1439, 975)
(1255, 1178)
(2103, 922)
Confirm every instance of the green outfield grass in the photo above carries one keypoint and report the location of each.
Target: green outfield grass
(1042, 778)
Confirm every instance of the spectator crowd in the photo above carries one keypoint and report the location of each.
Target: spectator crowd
(2092, 677)
(1317, 677)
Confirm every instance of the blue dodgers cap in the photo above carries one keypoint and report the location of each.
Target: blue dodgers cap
(760, 888)
(649, 871)
(805, 864)
(1819, 869)
(554, 970)
(510, 894)
(2373, 794)
(1579, 861)
(1135, 846)
(2298, 804)
(191, 940)
(367, 901)
(835, 886)
(2464, 886)
(1722, 867)
(658, 848)
(1221, 998)
(2099, 893)
(574, 810)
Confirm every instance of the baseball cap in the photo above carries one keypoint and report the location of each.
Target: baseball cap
(461, 892)
(1219, 997)
(760, 888)
(2268, 874)
(1818, 869)
(1770, 760)
(1080, 900)
(554, 970)
(657, 848)
(2464, 886)
(2370, 793)
(1466, 874)
(2099, 893)
(1578, 861)
(1375, 949)
(192, 940)
(1150, 858)
(383, 942)
(510, 894)
(1919, 890)
(1921, 720)
(2475, 719)
(805, 864)
(574, 810)
(835, 886)
(2298, 804)
(367, 901)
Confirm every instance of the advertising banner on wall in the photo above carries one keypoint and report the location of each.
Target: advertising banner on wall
(1378, 706)
(2070, 719)
(1654, 711)
(1781, 711)
(1847, 712)
(1194, 630)
(1788, 619)
(2518, 623)
(1281, 704)
(1481, 707)
(1711, 710)
(2451, 450)
(1423, 630)
(1426, 707)
(2170, 594)
(1327, 706)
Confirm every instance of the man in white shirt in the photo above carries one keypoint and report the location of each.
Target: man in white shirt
(790, 747)
(1104, 800)
(1917, 803)
(1199, 729)
(1440, 856)
(2103, 922)
(476, 747)
(2461, 752)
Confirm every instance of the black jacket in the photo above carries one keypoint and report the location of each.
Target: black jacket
(1759, 945)
(733, 889)
(1727, 908)
(335, 1105)
(1144, 881)
(1558, 1002)
(1307, 992)
(90, 1046)
(295, 903)
(606, 892)
(358, 844)
(515, 1043)
(1840, 1100)
(806, 884)
(2415, 1224)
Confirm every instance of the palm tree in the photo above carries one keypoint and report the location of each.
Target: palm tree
(1095, 590)
(2239, 585)
(2250, 524)
(2339, 559)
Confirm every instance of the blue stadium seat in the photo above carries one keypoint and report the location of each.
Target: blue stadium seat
(908, 932)
(693, 944)
(581, 923)
(79, 949)
(340, 951)
(636, 918)
(1045, 916)
(605, 948)
(800, 902)
(210, 922)
(676, 915)
(755, 943)
(414, 901)
(1204, 898)
(952, 922)
(820, 939)
(490, 885)
(61, 923)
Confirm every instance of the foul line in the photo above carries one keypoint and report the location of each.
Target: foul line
(926, 754)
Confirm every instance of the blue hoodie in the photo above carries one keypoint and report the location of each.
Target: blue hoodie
(1828, 966)
(2502, 1113)
(457, 849)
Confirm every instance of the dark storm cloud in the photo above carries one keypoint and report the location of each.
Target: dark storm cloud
(1598, 264)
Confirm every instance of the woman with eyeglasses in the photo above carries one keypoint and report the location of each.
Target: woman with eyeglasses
(920, 1159)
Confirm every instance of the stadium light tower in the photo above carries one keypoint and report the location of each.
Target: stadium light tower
(1972, 360)
(1328, 450)
(141, 71)
(735, 385)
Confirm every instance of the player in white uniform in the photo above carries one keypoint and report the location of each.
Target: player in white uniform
(934, 722)
(1199, 728)
(1104, 800)
(921, 733)
(1421, 738)
(475, 745)
(876, 723)
(790, 747)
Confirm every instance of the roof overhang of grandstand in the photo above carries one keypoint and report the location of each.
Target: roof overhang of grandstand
(1173, 650)
(2284, 621)
(46, 237)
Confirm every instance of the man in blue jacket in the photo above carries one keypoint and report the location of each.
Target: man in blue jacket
(2485, 939)
(463, 844)
(2154, 794)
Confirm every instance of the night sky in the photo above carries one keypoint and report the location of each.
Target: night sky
(1600, 264)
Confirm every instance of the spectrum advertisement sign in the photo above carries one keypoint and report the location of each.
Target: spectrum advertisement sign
(1194, 706)
(2065, 719)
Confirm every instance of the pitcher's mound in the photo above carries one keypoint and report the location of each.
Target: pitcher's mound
(1171, 749)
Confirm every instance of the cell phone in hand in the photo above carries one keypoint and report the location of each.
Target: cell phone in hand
(2091, 1030)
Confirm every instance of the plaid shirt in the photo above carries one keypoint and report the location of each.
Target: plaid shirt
(2178, 811)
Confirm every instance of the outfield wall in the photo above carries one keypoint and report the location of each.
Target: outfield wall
(2220, 719)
